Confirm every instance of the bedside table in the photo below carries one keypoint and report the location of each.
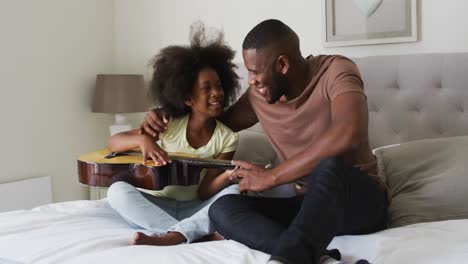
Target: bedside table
(97, 193)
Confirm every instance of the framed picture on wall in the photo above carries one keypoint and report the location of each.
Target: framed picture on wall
(365, 22)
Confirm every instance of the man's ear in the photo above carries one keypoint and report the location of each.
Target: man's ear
(188, 102)
(283, 64)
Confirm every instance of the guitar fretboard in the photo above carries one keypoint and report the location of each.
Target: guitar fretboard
(207, 163)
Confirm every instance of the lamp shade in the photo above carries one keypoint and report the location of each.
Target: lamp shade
(120, 93)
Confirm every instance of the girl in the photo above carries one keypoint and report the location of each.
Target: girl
(193, 85)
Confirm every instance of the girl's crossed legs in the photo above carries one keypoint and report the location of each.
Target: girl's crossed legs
(171, 222)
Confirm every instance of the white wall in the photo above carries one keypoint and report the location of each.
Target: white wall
(143, 27)
(50, 52)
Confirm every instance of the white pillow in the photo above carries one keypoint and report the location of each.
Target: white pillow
(428, 180)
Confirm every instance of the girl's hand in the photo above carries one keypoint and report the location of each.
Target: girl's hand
(228, 174)
(151, 150)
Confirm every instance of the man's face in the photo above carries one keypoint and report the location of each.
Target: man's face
(263, 76)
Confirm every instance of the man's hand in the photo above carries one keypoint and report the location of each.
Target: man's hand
(155, 122)
(252, 177)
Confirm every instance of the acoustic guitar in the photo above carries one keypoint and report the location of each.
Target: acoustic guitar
(102, 168)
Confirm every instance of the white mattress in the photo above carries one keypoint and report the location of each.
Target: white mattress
(90, 232)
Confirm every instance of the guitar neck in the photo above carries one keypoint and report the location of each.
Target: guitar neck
(184, 159)
(205, 163)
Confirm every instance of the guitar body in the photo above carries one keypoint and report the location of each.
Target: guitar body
(96, 170)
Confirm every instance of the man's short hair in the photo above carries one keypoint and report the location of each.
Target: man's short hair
(265, 33)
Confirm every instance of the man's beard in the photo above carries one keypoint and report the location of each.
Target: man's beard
(278, 85)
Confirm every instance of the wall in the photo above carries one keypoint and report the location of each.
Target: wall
(145, 26)
(50, 52)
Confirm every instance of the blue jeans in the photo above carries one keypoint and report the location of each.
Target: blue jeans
(340, 200)
(160, 215)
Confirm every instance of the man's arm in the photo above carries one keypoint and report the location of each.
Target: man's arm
(349, 122)
(240, 115)
(237, 117)
(155, 122)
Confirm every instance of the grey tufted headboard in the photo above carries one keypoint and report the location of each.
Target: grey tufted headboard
(415, 96)
(412, 96)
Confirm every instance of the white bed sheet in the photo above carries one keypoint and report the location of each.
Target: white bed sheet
(91, 232)
(444, 242)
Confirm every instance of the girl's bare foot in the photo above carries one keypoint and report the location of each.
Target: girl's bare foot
(213, 237)
(171, 238)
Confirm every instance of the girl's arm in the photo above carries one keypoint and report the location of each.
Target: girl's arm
(132, 139)
(215, 180)
(127, 140)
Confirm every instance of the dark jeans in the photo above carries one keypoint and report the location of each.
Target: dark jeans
(340, 200)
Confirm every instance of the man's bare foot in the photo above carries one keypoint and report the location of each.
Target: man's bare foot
(170, 239)
(213, 237)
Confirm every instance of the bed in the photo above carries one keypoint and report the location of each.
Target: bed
(418, 121)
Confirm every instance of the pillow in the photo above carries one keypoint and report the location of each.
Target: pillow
(428, 180)
(254, 147)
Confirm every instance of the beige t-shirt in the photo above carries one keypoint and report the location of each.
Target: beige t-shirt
(293, 125)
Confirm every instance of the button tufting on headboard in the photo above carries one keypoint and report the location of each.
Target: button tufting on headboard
(415, 96)
(411, 96)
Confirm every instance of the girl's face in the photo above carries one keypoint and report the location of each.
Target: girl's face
(207, 94)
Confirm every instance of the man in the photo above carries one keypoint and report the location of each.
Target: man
(314, 113)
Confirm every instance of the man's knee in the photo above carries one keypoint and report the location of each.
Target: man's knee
(220, 208)
(327, 168)
(331, 163)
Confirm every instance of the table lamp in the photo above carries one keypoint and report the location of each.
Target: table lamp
(120, 94)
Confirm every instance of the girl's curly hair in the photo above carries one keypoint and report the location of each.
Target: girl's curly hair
(176, 70)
